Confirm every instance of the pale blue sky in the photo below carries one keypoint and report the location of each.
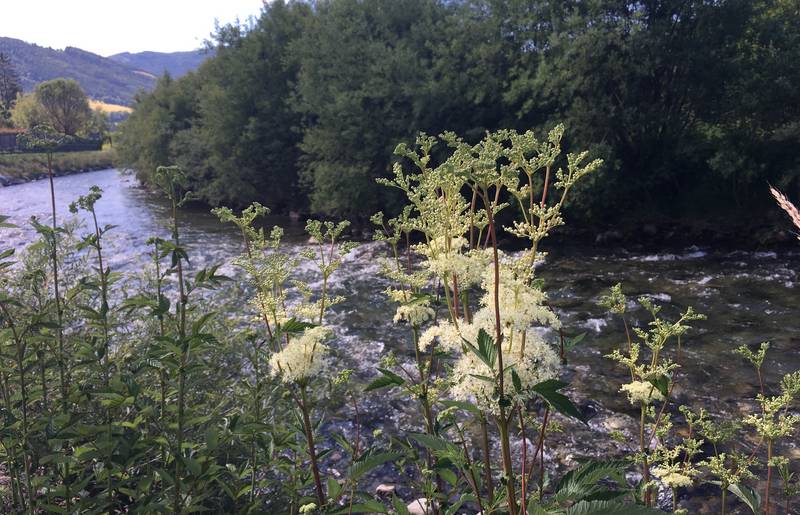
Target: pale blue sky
(108, 27)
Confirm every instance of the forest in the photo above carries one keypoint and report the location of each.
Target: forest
(692, 105)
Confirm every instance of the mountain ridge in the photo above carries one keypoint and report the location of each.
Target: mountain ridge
(114, 79)
(156, 63)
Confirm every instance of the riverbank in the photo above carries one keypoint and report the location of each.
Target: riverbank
(20, 168)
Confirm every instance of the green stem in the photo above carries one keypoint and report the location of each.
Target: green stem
(502, 419)
(178, 503)
(312, 452)
(487, 460)
(767, 488)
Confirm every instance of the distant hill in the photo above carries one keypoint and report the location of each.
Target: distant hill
(113, 80)
(156, 63)
(102, 78)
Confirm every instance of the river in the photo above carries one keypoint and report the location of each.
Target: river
(748, 297)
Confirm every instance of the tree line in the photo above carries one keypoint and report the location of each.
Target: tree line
(692, 104)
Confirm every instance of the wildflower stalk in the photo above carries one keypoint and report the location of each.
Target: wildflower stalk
(471, 479)
(178, 505)
(540, 448)
(643, 450)
(162, 372)
(502, 420)
(62, 365)
(312, 452)
(106, 345)
(487, 459)
(356, 450)
(524, 494)
(768, 486)
(169, 180)
(59, 312)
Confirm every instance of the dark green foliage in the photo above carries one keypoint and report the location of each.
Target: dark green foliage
(160, 116)
(9, 88)
(691, 104)
(230, 125)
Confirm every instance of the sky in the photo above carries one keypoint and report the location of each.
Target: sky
(107, 27)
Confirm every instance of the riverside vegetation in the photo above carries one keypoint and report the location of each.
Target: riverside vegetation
(140, 393)
(22, 167)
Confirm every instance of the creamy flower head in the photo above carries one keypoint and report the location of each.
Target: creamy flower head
(449, 336)
(536, 363)
(672, 477)
(641, 391)
(303, 357)
(415, 313)
(520, 305)
(441, 246)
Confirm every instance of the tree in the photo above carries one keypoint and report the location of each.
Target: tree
(148, 135)
(27, 112)
(9, 88)
(97, 126)
(363, 68)
(65, 105)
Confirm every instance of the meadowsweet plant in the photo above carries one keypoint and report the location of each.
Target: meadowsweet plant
(478, 316)
(298, 356)
(653, 368)
(677, 461)
(774, 421)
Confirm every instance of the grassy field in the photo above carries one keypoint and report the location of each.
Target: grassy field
(16, 168)
(99, 105)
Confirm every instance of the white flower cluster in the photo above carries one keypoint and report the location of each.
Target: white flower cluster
(522, 309)
(447, 260)
(415, 313)
(641, 391)
(537, 362)
(672, 477)
(303, 357)
(521, 305)
(449, 336)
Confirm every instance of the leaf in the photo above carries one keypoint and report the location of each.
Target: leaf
(452, 510)
(198, 324)
(212, 438)
(609, 508)
(369, 506)
(662, 385)
(5, 224)
(747, 495)
(485, 350)
(370, 461)
(192, 465)
(516, 381)
(548, 390)
(399, 506)
(431, 442)
(294, 326)
(448, 475)
(334, 489)
(570, 343)
(389, 379)
(466, 406)
(582, 483)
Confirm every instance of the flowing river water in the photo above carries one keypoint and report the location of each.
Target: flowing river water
(748, 297)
